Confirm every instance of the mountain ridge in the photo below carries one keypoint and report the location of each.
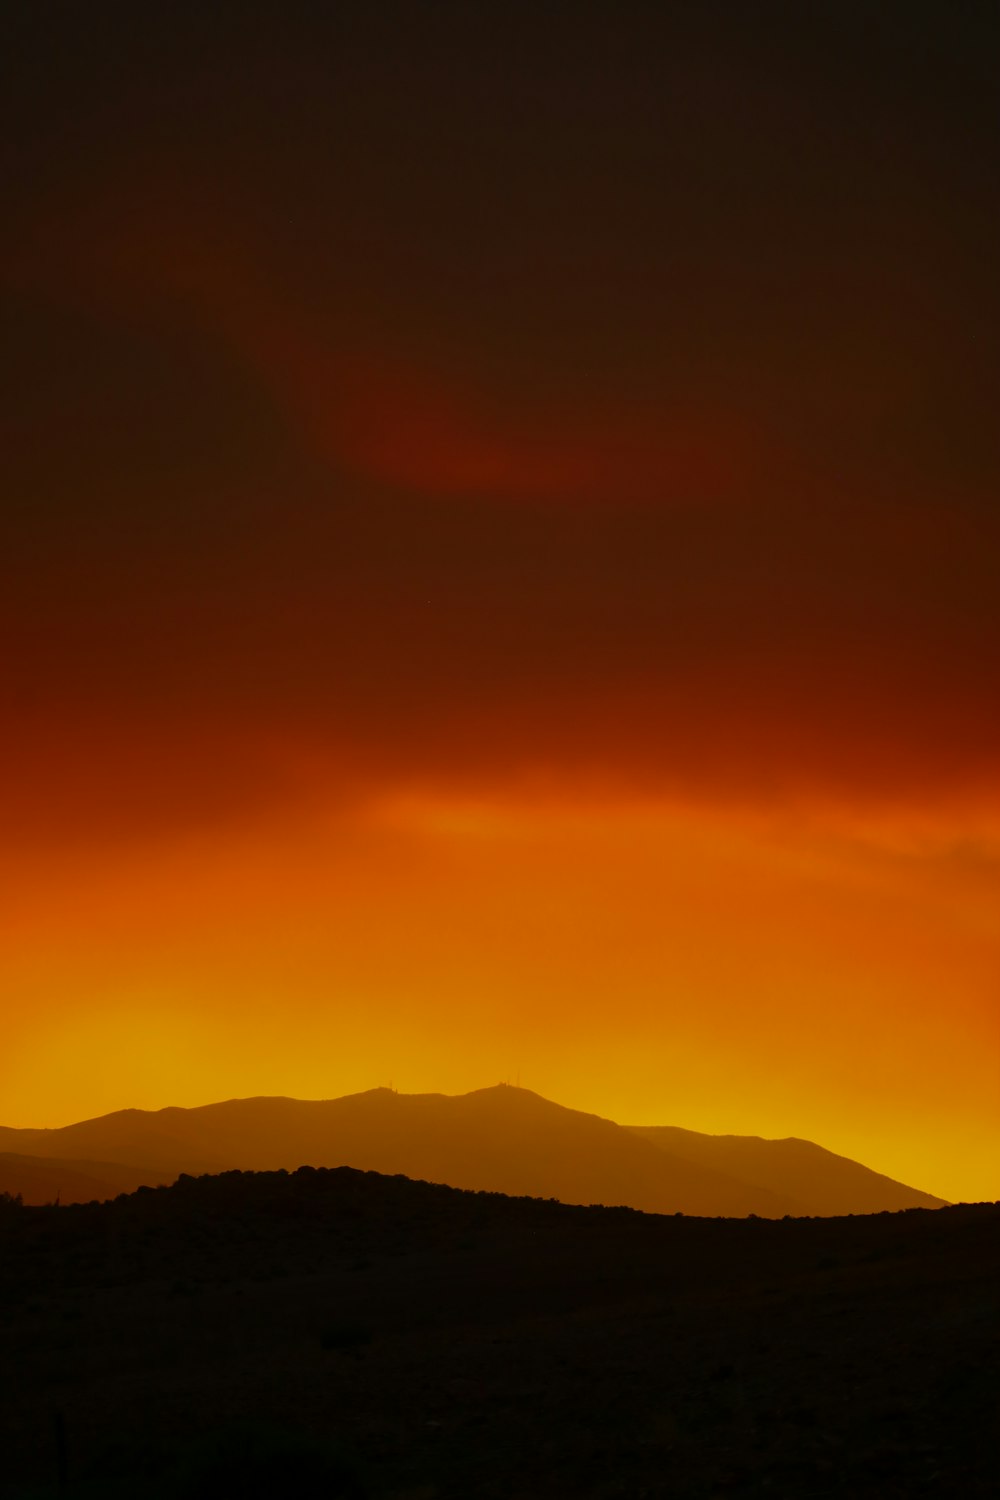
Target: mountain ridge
(503, 1138)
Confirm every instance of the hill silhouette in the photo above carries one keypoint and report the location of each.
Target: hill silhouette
(500, 1139)
(334, 1332)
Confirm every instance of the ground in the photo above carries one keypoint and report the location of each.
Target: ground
(340, 1333)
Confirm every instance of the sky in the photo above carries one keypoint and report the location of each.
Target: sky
(500, 563)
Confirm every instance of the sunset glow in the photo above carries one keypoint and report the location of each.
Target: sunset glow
(644, 961)
(468, 616)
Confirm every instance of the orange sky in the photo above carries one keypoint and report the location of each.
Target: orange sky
(501, 571)
(772, 973)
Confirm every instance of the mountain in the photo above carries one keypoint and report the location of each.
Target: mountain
(819, 1180)
(499, 1139)
(49, 1179)
(130, 1137)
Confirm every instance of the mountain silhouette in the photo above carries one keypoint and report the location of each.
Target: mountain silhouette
(820, 1181)
(48, 1180)
(500, 1139)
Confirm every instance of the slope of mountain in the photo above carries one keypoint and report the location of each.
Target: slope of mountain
(50, 1180)
(499, 1139)
(822, 1182)
(130, 1137)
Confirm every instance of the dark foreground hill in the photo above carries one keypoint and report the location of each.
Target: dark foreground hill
(500, 1139)
(337, 1333)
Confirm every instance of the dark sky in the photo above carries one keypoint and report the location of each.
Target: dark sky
(472, 391)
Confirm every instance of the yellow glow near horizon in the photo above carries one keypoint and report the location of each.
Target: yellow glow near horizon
(726, 971)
